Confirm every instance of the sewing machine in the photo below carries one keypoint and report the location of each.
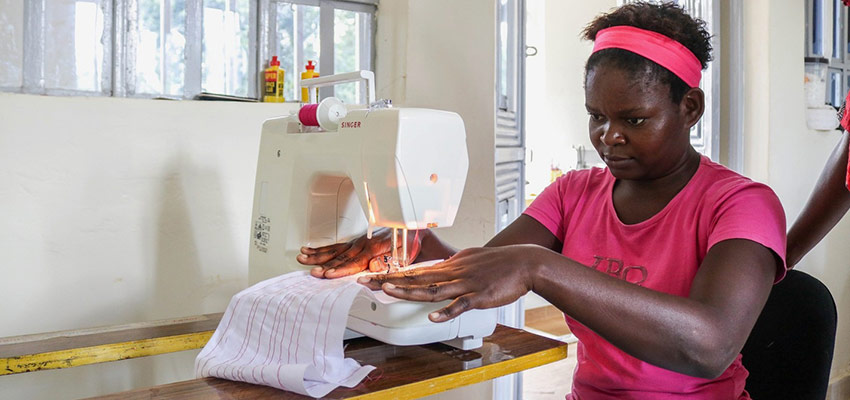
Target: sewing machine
(362, 167)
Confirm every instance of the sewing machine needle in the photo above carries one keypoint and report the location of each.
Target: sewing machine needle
(394, 263)
(404, 260)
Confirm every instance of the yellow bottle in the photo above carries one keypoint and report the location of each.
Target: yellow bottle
(309, 73)
(273, 82)
(554, 173)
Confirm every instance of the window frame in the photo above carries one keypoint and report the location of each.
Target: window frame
(34, 44)
(705, 135)
(826, 19)
(120, 36)
(267, 37)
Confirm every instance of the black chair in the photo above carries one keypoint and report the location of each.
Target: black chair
(789, 352)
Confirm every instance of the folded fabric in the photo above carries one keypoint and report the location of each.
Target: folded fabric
(286, 332)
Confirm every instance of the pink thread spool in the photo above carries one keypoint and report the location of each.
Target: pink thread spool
(326, 114)
(307, 115)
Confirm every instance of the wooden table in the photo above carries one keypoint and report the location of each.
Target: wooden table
(403, 372)
(65, 349)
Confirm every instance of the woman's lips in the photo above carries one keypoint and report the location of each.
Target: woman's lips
(611, 160)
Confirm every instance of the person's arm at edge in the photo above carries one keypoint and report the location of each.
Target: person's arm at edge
(828, 202)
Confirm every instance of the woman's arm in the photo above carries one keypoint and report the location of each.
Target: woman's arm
(524, 230)
(828, 202)
(699, 335)
(343, 259)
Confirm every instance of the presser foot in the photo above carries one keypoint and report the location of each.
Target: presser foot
(467, 343)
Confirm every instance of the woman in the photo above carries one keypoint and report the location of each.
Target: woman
(661, 262)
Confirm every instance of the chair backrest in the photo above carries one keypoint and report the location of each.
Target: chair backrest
(789, 351)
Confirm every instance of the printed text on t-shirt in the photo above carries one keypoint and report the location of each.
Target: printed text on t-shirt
(633, 273)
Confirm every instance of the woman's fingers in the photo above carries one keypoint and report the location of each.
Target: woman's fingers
(321, 255)
(461, 305)
(354, 253)
(412, 277)
(350, 268)
(379, 263)
(317, 272)
(432, 292)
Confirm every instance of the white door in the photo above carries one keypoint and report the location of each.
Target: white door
(510, 150)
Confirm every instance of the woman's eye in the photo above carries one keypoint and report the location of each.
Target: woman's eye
(635, 121)
(595, 117)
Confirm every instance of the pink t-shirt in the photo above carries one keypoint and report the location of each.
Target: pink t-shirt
(662, 253)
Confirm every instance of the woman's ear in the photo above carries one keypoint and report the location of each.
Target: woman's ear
(692, 106)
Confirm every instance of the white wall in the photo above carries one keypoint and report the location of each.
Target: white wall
(781, 151)
(428, 57)
(556, 118)
(441, 54)
(129, 210)
(117, 211)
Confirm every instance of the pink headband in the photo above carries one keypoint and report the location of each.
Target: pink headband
(666, 52)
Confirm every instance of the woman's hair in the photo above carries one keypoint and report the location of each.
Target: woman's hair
(667, 19)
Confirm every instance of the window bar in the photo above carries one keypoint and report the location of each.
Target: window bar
(326, 52)
(131, 41)
(817, 27)
(809, 28)
(33, 60)
(500, 17)
(513, 45)
(297, 48)
(107, 39)
(164, 28)
(267, 39)
(359, 24)
(846, 38)
(253, 51)
(836, 29)
(229, 54)
(846, 82)
(120, 24)
(194, 47)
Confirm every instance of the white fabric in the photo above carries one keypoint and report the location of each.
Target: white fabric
(286, 332)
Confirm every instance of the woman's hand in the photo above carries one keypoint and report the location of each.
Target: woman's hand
(343, 259)
(476, 278)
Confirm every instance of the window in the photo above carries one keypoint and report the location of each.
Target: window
(352, 52)
(816, 27)
(55, 47)
(74, 54)
(335, 35)
(178, 48)
(706, 133)
(160, 47)
(298, 40)
(227, 43)
(11, 43)
(826, 28)
(507, 75)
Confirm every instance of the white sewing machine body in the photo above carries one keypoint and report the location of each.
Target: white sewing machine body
(385, 167)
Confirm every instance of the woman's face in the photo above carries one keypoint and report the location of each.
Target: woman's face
(635, 127)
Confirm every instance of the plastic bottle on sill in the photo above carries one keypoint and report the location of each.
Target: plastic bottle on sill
(309, 73)
(273, 82)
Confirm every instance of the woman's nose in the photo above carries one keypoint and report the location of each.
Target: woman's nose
(612, 136)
